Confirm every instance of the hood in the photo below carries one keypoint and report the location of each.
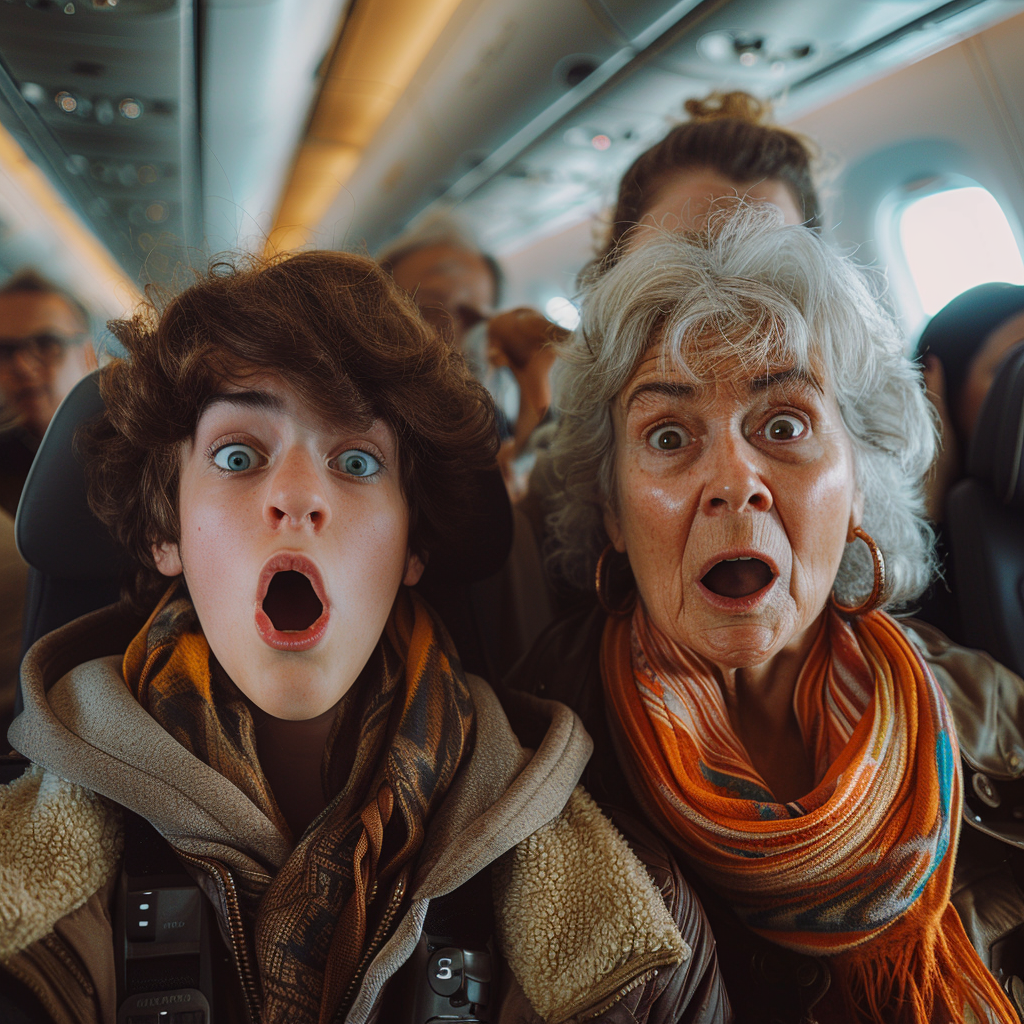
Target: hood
(81, 722)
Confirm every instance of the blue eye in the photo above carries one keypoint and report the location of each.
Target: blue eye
(236, 458)
(668, 438)
(357, 463)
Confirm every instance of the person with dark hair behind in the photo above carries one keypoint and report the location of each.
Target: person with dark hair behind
(727, 148)
(962, 347)
(283, 452)
(45, 349)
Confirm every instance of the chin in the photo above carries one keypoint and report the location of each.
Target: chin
(738, 646)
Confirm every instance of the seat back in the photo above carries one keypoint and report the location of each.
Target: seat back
(985, 523)
(74, 564)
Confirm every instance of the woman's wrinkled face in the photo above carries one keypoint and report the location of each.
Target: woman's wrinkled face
(294, 542)
(732, 502)
(683, 199)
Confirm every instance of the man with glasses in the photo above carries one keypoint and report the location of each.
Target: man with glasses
(45, 349)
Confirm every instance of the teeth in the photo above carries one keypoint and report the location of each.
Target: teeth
(742, 558)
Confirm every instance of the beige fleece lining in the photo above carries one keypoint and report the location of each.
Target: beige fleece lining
(578, 917)
(59, 843)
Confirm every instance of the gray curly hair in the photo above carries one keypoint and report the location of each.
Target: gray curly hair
(747, 287)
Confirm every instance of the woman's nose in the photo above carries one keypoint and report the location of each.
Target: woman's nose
(734, 479)
(297, 494)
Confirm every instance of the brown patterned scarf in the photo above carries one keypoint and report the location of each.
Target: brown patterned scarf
(398, 739)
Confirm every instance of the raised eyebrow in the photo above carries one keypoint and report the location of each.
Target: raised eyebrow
(793, 375)
(248, 399)
(671, 389)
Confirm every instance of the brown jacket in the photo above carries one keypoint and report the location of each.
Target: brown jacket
(771, 985)
(647, 955)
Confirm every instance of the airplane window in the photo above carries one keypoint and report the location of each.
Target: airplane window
(563, 311)
(955, 239)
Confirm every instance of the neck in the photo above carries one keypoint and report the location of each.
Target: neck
(759, 702)
(292, 755)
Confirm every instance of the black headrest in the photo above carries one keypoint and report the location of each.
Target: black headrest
(996, 455)
(55, 529)
(58, 534)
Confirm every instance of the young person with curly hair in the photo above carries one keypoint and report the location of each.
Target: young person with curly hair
(284, 452)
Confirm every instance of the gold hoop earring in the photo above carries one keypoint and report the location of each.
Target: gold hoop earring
(877, 595)
(599, 586)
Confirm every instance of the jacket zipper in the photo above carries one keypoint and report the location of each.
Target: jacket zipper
(226, 885)
(371, 950)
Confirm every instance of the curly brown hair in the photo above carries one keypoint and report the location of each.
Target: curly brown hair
(726, 134)
(341, 334)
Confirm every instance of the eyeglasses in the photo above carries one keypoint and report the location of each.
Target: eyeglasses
(42, 347)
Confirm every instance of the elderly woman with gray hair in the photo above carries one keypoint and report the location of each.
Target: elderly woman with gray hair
(742, 452)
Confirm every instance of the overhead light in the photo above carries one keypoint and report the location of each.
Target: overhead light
(601, 142)
(130, 108)
(66, 101)
(32, 92)
(750, 49)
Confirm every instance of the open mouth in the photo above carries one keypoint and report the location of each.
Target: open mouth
(291, 603)
(738, 577)
(292, 613)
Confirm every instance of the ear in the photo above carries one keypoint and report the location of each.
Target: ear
(167, 558)
(414, 566)
(614, 529)
(857, 510)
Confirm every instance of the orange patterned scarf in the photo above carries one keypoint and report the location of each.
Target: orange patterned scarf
(398, 739)
(860, 869)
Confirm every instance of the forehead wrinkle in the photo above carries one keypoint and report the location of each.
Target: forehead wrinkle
(671, 389)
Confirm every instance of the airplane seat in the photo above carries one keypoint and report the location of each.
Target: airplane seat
(985, 523)
(76, 566)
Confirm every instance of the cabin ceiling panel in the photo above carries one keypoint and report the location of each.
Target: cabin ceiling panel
(104, 100)
(799, 52)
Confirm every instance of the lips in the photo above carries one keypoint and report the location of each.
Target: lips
(737, 580)
(292, 611)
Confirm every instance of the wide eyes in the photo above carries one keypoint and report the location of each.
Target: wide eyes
(236, 458)
(356, 463)
(784, 427)
(668, 438)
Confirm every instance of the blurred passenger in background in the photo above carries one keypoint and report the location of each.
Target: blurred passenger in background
(727, 148)
(458, 290)
(962, 347)
(45, 349)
